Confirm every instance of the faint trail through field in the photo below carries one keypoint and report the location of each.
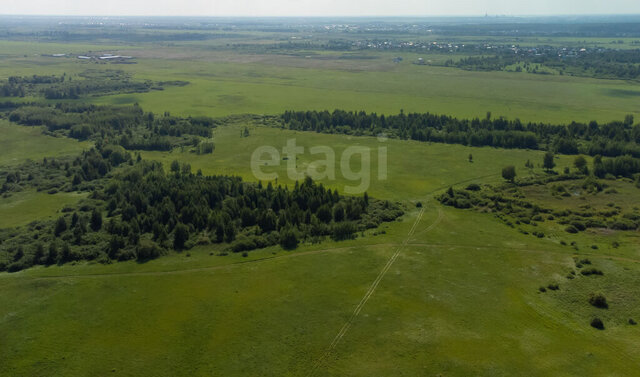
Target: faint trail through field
(393, 258)
(366, 296)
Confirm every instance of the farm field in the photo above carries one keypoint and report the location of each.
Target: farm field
(448, 288)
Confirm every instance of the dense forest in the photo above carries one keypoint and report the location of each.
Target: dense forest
(136, 210)
(611, 139)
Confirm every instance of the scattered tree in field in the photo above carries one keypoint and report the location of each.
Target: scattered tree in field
(509, 173)
(597, 323)
(628, 120)
(580, 163)
(548, 162)
(470, 157)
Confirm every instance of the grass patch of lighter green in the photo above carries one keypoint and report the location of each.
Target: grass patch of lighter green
(20, 143)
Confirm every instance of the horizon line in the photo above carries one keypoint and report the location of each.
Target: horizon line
(486, 15)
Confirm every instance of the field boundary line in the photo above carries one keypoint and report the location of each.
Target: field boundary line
(210, 268)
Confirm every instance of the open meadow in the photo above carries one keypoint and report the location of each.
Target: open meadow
(226, 82)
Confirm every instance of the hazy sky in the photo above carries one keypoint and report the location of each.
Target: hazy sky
(318, 7)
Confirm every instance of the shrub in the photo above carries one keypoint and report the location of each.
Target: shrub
(542, 289)
(16, 266)
(147, 250)
(578, 225)
(243, 244)
(473, 187)
(343, 231)
(597, 323)
(598, 300)
(288, 239)
(632, 322)
(571, 229)
(419, 205)
(623, 224)
(592, 271)
(553, 286)
(205, 147)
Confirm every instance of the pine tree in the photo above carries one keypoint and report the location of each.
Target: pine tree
(96, 220)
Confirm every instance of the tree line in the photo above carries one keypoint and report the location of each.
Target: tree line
(609, 63)
(89, 83)
(611, 139)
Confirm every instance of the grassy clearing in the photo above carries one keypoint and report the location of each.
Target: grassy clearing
(414, 170)
(24, 207)
(19, 143)
(231, 88)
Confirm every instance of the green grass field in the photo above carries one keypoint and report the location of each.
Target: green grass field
(414, 169)
(27, 206)
(446, 306)
(226, 82)
(441, 292)
(21, 143)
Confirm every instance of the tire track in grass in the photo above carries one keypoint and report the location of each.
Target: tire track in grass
(345, 328)
(374, 285)
(433, 225)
